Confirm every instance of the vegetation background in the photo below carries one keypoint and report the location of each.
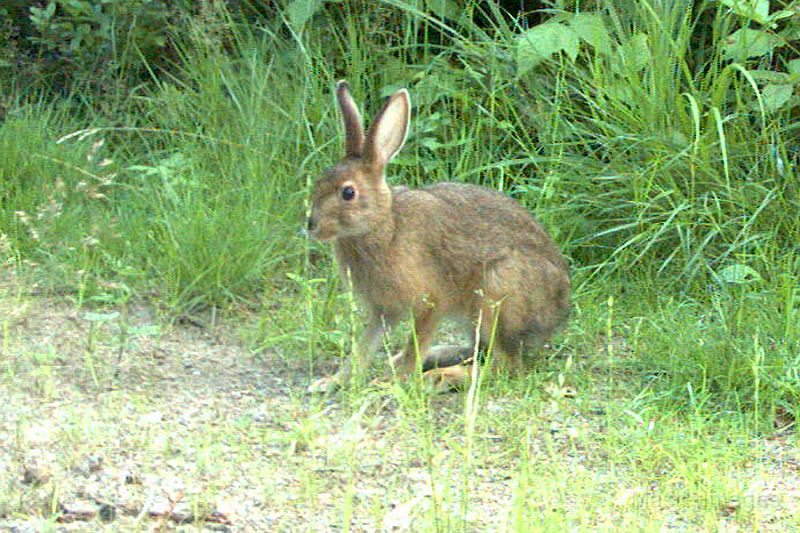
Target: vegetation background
(160, 153)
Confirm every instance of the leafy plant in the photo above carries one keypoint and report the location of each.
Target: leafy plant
(88, 31)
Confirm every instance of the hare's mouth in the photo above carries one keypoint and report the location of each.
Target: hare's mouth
(319, 235)
(314, 230)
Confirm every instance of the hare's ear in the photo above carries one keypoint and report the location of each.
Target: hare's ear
(388, 132)
(351, 120)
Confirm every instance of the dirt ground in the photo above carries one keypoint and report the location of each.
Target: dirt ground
(185, 428)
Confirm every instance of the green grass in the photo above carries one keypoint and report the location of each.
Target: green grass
(587, 441)
(665, 171)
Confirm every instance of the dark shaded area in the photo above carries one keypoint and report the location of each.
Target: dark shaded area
(114, 46)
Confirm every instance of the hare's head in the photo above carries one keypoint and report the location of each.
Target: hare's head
(352, 197)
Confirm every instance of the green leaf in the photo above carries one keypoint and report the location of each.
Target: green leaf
(746, 43)
(75, 42)
(542, 42)
(769, 75)
(757, 10)
(101, 317)
(794, 67)
(621, 92)
(738, 274)
(150, 330)
(299, 12)
(775, 95)
(635, 53)
(591, 29)
(443, 8)
(782, 14)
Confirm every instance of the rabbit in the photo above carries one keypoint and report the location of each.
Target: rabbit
(446, 250)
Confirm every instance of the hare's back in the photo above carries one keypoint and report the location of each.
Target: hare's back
(485, 221)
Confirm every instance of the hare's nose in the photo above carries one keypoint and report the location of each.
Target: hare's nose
(311, 224)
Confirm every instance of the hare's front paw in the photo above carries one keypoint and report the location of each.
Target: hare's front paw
(326, 385)
(446, 379)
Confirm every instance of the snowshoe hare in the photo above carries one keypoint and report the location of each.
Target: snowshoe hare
(447, 250)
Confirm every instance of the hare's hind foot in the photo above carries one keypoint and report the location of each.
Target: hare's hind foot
(447, 368)
(447, 379)
(327, 384)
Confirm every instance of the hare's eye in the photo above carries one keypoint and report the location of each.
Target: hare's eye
(348, 193)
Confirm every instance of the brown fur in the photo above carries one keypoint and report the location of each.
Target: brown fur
(447, 250)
